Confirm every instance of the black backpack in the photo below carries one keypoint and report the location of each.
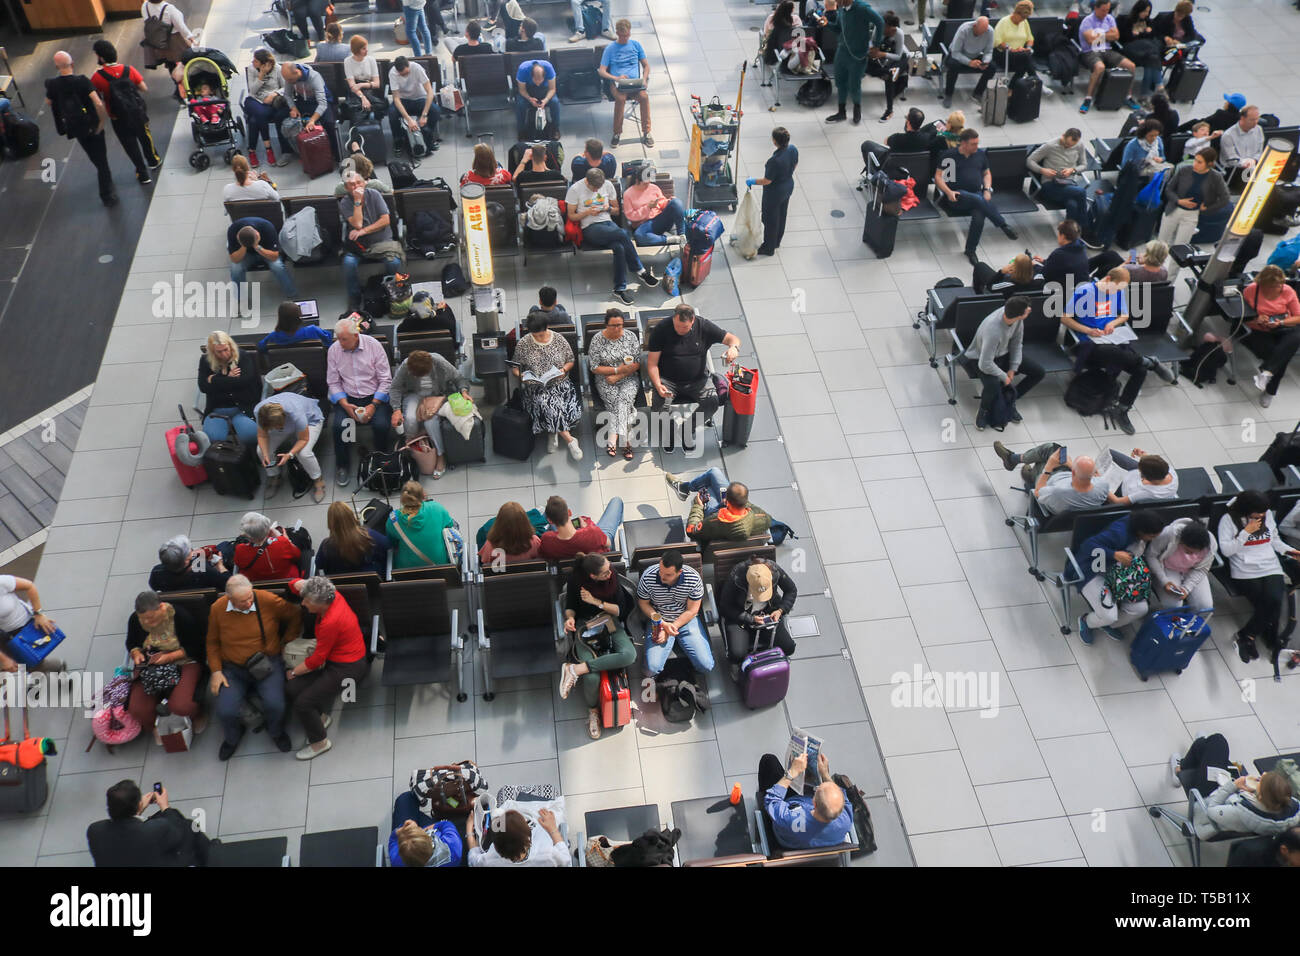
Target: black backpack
(498, 225)
(453, 280)
(1063, 64)
(22, 136)
(374, 296)
(579, 86)
(430, 233)
(1092, 391)
(1203, 365)
(124, 99)
(73, 114)
(157, 31)
(1004, 403)
(401, 173)
(814, 93)
(288, 42)
(386, 471)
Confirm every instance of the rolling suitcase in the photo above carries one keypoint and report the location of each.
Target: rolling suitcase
(764, 674)
(696, 266)
(24, 783)
(742, 401)
(1168, 640)
(22, 136)
(994, 104)
(879, 230)
(233, 467)
(190, 475)
(1026, 99)
(1113, 89)
(369, 135)
(463, 451)
(615, 699)
(314, 152)
(1186, 80)
(512, 433)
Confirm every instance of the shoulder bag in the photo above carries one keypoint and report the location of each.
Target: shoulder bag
(259, 665)
(397, 526)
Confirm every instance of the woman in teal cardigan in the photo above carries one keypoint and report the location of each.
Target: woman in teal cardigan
(415, 529)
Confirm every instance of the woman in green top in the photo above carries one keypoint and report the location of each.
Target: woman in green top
(415, 529)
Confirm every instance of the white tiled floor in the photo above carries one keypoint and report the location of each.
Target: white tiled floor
(898, 499)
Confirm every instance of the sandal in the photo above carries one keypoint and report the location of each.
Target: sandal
(611, 450)
(318, 492)
(593, 725)
(627, 453)
(436, 475)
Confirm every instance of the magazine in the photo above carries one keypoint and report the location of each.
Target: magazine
(550, 375)
(803, 742)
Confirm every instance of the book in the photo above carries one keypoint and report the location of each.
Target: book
(550, 375)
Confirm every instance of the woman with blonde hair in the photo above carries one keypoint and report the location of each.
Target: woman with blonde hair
(351, 546)
(231, 389)
(292, 420)
(415, 529)
(485, 170)
(1017, 277)
(956, 123)
(332, 49)
(1273, 332)
(247, 184)
(511, 537)
(264, 107)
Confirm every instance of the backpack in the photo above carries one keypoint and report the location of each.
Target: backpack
(299, 535)
(1004, 404)
(288, 42)
(590, 24)
(1063, 64)
(703, 229)
(814, 93)
(1203, 365)
(73, 115)
(861, 815)
(401, 173)
(453, 280)
(375, 297)
(157, 31)
(1091, 391)
(579, 86)
(779, 531)
(124, 99)
(300, 237)
(430, 234)
(386, 471)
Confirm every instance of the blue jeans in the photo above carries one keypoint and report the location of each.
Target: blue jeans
(270, 690)
(694, 642)
(654, 232)
(525, 110)
(1150, 79)
(606, 235)
(1073, 198)
(279, 268)
(4, 106)
(979, 209)
(218, 429)
(407, 807)
(352, 279)
(575, 7)
(261, 119)
(611, 518)
(715, 482)
(417, 31)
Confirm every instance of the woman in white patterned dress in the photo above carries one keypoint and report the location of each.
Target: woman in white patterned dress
(614, 358)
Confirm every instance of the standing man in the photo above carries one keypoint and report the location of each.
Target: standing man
(311, 100)
(358, 377)
(860, 29)
(624, 66)
(79, 114)
(412, 97)
(120, 87)
(1096, 34)
(964, 179)
(778, 185)
(536, 90)
(998, 348)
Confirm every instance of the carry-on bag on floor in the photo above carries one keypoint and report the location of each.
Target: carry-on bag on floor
(1186, 80)
(993, 106)
(742, 401)
(615, 699)
(1284, 450)
(696, 266)
(1168, 640)
(24, 783)
(512, 433)
(764, 674)
(189, 462)
(22, 136)
(314, 152)
(879, 230)
(1026, 99)
(31, 645)
(370, 137)
(458, 450)
(1113, 89)
(233, 466)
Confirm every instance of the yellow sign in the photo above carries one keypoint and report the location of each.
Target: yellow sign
(478, 248)
(697, 142)
(1266, 174)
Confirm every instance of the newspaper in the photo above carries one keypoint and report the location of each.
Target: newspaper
(803, 742)
(1121, 335)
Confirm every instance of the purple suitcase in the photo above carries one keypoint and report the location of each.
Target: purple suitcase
(764, 674)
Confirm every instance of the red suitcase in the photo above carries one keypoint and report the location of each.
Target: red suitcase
(696, 266)
(190, 475)
(615, 699)
(314, 151)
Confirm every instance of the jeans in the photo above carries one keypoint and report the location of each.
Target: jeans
(270, 690)
(525, 111)
(1073, 198)
(261, 119)
(352, 279)
(694, 641)
(313, 694)
(1177, 228)
(218, 429)
(979, 209)
(411, 424)
(575, 8)
(606, 235)
(654, 232)
(1032, 373)
(713, 481)
(279, 268)
(313, 10)
(417, 31)
(381, 423)
(413, 109)
(611, 518)
(621, 654)
(96, 147)
(137, 143)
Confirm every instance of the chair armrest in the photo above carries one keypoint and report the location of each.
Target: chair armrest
(713, 603)
(1182, 321)
(374, 633)
(580, 848)
(761, 830)
(379, 855)
(557, 611)
(388, 568)
(1233, 478)
(1071, 564)
(483, 641)
(457, 641)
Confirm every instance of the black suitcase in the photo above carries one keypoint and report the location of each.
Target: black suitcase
(879, 231)
(512, 433)
(22, 136)
(1026, 99)
(736, 428)
(22, 790)
(233, 468)
(463, 451)
(369, 135)
(1186, 80)
(1113, 89)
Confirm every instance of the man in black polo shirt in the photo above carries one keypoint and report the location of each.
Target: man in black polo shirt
(251, 239)
(677, 364)
(80, 114)
(916, 136)
(965, 181)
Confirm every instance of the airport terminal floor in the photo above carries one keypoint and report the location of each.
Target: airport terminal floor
(928, 661)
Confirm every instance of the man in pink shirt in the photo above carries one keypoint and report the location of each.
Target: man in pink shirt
(650, 214)
(358, 376)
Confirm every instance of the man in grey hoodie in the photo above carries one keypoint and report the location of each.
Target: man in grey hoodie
(998, 349)
(1060, 164)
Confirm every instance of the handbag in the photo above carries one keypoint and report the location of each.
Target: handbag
(297, 651)
(600, 850)
(448, 790)
(1127, 585)
(30, 645)
(159, 679)
(259, 665)
(299, 481)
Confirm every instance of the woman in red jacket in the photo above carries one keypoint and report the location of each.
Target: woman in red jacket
(263, 552)
(485, 170)
(340, 656)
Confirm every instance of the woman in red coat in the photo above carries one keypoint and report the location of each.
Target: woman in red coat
(340, 656)
(264, 551)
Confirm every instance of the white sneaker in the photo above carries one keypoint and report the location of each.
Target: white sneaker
(326, 720)
(1262, 380)
(577, 36)
(552, 442)
(309, 752)
(568, 679)
(575, 450)
(1174, 760)
(1265, 400)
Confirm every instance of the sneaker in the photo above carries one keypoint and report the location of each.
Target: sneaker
(577, 36)
(1163, 372)
(608, 34)
(886, 116)
(144, 179)
(1132, 104)
(593, 725)
(647, 139)
(283, 744)
(947, 102)
(1265, 400)
(676, 483)
(1015, 416)
(624, 296)
(575, 450)
(1114, 633)
(552, 442)
(648, 278)
(1174, 761)
(272, 487)
(613, 140)
(1093, 245)
(1085, 632)
(342, 476)
(568, 680)
(308, 752)
(1009, 458)
(1086, 104)
(156, 163)
(972, 258)
(1262, 379)
(273, 161)
(981, 421)
(253, 161)
(1119, 415)
(1010, 233)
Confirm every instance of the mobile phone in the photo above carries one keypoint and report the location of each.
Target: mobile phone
(157, 786)
(1062, 456)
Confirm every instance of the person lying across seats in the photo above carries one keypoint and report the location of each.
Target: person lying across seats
(721, 510)
(1069, 485)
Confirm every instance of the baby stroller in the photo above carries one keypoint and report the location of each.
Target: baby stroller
(212, 119)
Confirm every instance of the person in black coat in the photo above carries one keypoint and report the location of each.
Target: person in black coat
(232, 387)
(1176, 25)
(757, 594)
(165, 839)
(1069, 261)
(1281, 850)
(179, 567)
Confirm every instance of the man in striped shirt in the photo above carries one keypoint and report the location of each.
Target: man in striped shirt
(673, 592)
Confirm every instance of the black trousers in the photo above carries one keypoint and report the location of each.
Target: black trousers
(871, 148)
(96, 147)
(314, 10)
(1116, 359)
(702, 393)
(739, 640)
(137, 143)
(312, 695)
(1211, 751)
(774, 209)
(893, 85)
(1266, 596)
(1032, 373)
(1276, 349)
(770, 772)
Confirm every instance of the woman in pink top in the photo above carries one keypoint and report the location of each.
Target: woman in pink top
(650, 214)
(1273, 332)
(511, 538)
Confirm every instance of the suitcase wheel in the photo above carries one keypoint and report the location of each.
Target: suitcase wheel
(200, 160)
(231, 153)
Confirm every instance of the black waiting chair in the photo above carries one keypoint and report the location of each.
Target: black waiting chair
(1009, 171)
(422, 634)
(484, 85)
(356, 847)
(940, 313)
(714, 833)
(1153, 310)
(518, 626)
(265, 852)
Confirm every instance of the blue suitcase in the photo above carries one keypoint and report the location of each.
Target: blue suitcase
(1168, 640)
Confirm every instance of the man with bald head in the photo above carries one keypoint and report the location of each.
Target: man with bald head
(820, 816)
(80, 114)
(972, 49)
(1059, 485)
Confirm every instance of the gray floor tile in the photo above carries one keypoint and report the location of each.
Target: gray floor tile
(515, 727)
(114, 426)
(587, 765)
(999, 748)
(75, 580)
(1089, 773)
(1057, 702)
(934, 792)
(1038, 841)
(823, 691)
(944, 614)
(980, 683)
(998, 577)
(744, 735)
(1027, 636)
(348, 804)
(264, 791)
(922, 556)
(865, 591)
(901, 504)
(909, 718)
(363, 745)
(682, 771)
(76, 802)
(1129, 838)
(1021, 800)
(971, 847)
(848, 535)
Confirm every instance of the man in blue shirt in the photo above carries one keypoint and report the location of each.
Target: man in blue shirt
(627, 71)
(536, 83)
(964, 179)
(802, 822)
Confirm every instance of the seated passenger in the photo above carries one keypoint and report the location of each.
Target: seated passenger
(288, 426)
(420, 386)
(340, 656)
(1117, 592)
(1273, 332)
(529, 39)
(592, 203)
(511, 538)
(1060, 164)
(182, 567)
(1059, 486)
(168, 838)
(1281, 850)
(231, 389)
(552, 406)
(1069, 264)
(758, 594)
(997, 351)
(419, 840)
(573, 536)
(595, 592)
(677, 361)
(534, 169)
(359, 163)
(1260, 564)
(415, 529)
(548, 305)
(290, 329)
(1263, 804)
(614, 360)
(485, 170)
(721, 510)
(670, 594)
(1180, 558)
(1143, 477)
(1149, 266)
(802, 821)
(519, 842)
(166, 641)
(263, 550)
(650, 214)
(593, 156)
(535, 90)
(351, 547)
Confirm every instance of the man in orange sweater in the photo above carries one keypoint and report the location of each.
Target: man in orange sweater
(240, 625)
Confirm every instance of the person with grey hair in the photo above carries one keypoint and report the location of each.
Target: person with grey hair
(247, 631)
(264, 551)
(358, 378)
(339, 657)
(420, 386)
(367, 234)
(165, 644)
(183, 567)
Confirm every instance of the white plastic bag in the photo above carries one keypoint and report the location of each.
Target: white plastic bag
(747, 231)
